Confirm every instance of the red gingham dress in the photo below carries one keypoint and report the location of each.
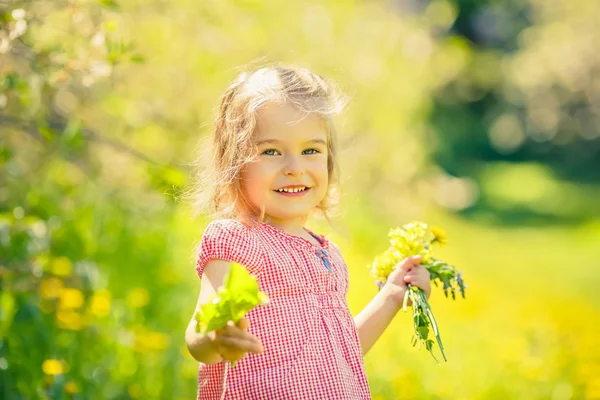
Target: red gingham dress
(312, 350)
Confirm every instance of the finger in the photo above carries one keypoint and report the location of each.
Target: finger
(410, 275)
(409, 262)
(416, 274)
(422, 273)
(229, 349)
(230, 355)
(423, 285)
(416, 280)
(415, 260)
(213, 335)
(225, 329)
(237, 344)
(238, 333)
(254, 343)
(421, 268)
(251, 339)
(243, 323)
(229, 329)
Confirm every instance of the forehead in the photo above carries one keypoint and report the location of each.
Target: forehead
(287, 123)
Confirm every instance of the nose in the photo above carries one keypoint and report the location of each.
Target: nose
(293, 166)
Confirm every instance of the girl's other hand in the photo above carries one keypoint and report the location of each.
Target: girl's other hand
(233, 342)
(419, 276)
(407, 271)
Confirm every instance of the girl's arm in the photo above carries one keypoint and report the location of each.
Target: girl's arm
(372, 321)
(200, 346)
(231, 342)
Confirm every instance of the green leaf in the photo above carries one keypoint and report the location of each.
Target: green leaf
(109, 4)
(10, 81)
(137, 58)
(429, 345)
(233, 300)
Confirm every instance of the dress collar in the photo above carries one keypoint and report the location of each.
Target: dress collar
(323, 242)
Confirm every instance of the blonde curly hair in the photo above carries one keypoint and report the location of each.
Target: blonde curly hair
(217, 189)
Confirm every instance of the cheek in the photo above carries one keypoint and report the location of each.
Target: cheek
(251, 173)
(247, 177)
(321, 177)
(323, 173)
(255, 176)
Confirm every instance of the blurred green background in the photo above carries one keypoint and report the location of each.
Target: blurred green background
(482, 117)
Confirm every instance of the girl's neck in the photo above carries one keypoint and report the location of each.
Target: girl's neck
(290, 226)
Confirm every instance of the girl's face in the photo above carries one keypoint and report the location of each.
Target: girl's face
(289, 176)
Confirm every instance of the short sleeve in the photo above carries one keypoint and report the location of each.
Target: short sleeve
(229, 240)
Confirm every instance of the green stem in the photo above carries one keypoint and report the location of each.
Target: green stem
(419, 301)
(405, 302)
(433, 324)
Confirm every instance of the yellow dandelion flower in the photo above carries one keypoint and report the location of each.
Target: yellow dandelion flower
(138, 298)
(50, 288)
(61, 266)
(426, 257)
(71, 387)
(384, 264)
(151, 341)
(52, 367)
(439, 236)
(410, 239)
(159, 340)
(68, 319)
(70, 298)
(100, 303)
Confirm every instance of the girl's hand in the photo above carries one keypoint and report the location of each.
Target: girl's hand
(407, 271)
(232, 342)
(419, 276)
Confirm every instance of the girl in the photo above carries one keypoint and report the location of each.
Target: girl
(274, 162)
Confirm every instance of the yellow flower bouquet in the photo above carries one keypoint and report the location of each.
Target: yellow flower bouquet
(417, 239)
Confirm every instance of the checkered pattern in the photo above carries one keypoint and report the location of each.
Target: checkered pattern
(312, 350)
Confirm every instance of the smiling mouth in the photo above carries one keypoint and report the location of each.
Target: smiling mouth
(292, 190)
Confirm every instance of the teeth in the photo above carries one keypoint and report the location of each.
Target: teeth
(294, 190)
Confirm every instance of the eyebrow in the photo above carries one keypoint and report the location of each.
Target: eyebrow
(275, 141)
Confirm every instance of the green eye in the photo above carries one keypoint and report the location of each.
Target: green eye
(311, 151)
(270, 152)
